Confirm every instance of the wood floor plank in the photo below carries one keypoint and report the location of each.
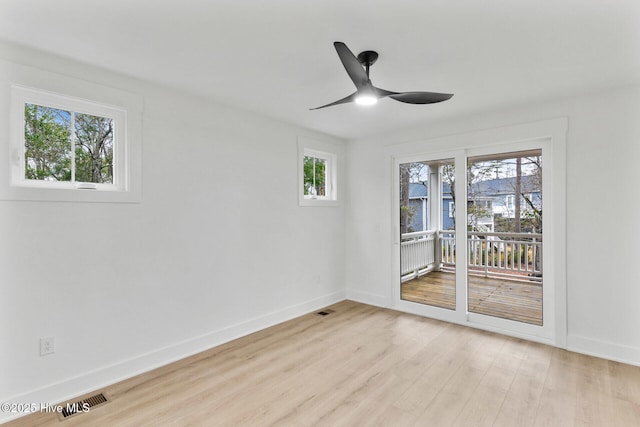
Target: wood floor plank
(625, 381)
(435, 367)
(369, 366)
(520, 405)
(558, 402)
(508, 299)
(446, 406)
(625, 413)
(484, 405)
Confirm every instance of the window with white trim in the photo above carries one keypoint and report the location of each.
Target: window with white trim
(509, 201)
(318, 173)
(67, 143)
(484, 204)
(70, 139)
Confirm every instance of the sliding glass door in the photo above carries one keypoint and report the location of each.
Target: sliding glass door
(470, 237)
(427, 233)
(504, 236)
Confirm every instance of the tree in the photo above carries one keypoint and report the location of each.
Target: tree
(51, 143)
(527, 182)
(476, 172)
(534, 212)
(314, 176)
(517, 193)
(477, 205)
(47, 137)
(94, 148)
(410, 173)
(405, 217)
(449, 177)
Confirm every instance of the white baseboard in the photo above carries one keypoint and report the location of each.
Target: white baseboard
(108, 375)
(604, 349)
(368, 298)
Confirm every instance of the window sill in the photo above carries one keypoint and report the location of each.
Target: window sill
(70, 195)
(318, 202)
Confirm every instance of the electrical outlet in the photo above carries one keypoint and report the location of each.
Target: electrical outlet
(47, 346)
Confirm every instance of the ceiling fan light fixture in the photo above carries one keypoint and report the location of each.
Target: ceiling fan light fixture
(366, 100)
(366, 96)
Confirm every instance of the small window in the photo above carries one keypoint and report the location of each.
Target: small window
(509, 201)
(484, 204)
(70, 139)
(318, 173)
(67, 143)
(452, 209)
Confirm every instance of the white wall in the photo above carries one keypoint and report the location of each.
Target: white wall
(217, 248)
(603, 148)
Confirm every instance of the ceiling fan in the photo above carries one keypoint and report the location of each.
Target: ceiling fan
(366, 93)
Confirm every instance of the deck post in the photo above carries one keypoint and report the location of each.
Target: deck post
(435, 210)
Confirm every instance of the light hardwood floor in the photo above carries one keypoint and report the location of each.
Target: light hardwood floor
(367, 366)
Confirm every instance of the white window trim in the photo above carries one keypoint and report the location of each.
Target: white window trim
(330, 160)
(331, 153)
(509, 202)
(27, 84)
(21, 96)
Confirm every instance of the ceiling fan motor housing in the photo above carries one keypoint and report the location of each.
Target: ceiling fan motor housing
(368, 57)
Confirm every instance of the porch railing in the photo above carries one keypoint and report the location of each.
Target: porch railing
(417, 253)
(517, 256)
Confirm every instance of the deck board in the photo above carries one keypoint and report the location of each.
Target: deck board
(504, 298)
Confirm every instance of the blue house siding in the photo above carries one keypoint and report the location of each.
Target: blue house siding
(497, 190)
(416, 223)
(418, 194)
(447, 218)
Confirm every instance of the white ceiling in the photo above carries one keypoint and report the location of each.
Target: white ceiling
(277, 58)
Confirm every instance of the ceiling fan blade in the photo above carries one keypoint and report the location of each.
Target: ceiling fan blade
(344, 100)
(420, 97)
(383, 93)
(352, 65)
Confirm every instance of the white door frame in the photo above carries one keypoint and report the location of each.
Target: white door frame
(548, 135)
(457, 316)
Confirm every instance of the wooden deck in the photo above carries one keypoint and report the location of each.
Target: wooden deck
(507, 299)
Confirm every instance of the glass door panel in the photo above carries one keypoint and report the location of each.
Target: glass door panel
(504, 236)
(427, 233)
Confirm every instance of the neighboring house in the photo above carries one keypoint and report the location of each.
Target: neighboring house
(480, 213)
(502, 193)
(492, 199)
(418, 202)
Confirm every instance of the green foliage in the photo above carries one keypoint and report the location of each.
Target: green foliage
(94, 149)
(49, 141)
(410, 212)
(474, 213)
(314, 176)
(528, 224)
(47, 137)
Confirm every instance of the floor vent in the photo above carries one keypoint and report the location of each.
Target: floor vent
(81, 406)
(325, 312)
